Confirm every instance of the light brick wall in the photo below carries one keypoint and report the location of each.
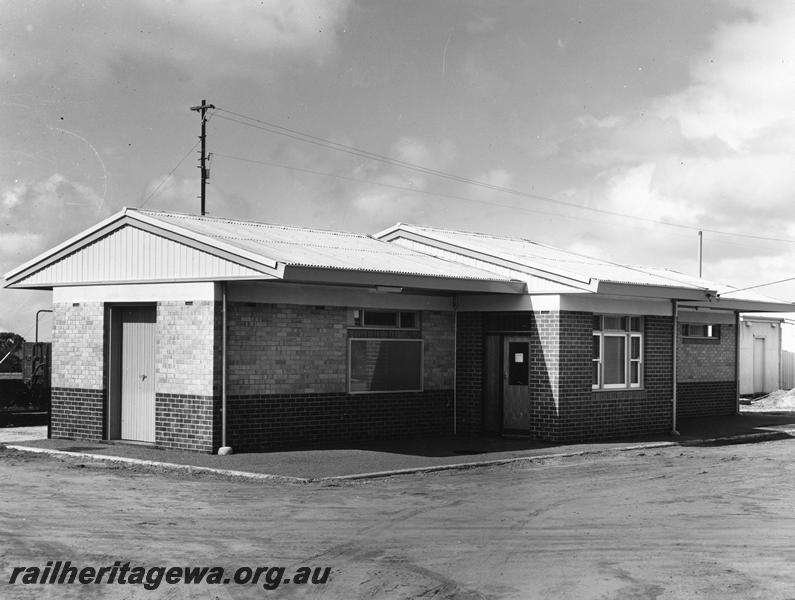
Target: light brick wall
(286, 349)
(78, 341)
(707, 360)
(289, 349)
(186, 343)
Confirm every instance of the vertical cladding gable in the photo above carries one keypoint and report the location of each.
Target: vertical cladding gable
(469, 373)
(78, 365)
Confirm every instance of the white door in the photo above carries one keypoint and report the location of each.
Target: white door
(138, 374)
(759, 365)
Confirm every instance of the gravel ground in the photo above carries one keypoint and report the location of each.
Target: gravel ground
(696, 522)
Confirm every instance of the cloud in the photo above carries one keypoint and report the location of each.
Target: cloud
(90, 40)
(386, 203)
(35, 216)
(717, 153)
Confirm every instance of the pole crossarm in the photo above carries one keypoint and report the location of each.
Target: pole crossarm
(202, 110)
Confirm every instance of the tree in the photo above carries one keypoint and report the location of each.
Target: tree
(11, 342)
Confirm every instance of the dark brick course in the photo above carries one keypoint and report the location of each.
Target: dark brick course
(185, 422)
(706, 399)
(469, 373)
(262, 422)
(77, 413)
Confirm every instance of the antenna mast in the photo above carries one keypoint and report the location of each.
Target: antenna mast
(202, 110)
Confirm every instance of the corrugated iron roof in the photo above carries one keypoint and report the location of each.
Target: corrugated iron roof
(318, 248)
(556, 261)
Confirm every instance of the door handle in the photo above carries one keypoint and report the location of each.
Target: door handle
(143, 377)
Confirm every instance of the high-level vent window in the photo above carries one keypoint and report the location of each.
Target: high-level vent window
(617, 352)
(702, 332)
(386, 319)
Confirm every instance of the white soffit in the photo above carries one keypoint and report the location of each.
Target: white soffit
(129, 254)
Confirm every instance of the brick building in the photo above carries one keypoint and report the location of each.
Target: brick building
(196, 333)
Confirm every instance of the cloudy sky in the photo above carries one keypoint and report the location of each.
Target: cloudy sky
(616, 128)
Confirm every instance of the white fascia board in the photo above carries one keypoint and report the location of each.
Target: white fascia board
(321, 275)
(747, 306)
(616, 305)
(565, 277)
(655, 291)
(138, 292)
(68, 243)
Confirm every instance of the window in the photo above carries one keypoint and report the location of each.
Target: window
(385, 365)
(617, 352)
(707, 332)
(386, 319)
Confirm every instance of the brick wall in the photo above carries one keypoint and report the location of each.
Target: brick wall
(563, 405)
(544, 395)
(469, 373)
(187, 422)
(706, 399)
(286, 349)
(261, 422)
(187, 342)
(77, 413)
(78, 392)
(287, 369)
(706, 375)
(707, 360)
(78, 343)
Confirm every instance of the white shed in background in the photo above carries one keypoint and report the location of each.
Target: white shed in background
(761, 365)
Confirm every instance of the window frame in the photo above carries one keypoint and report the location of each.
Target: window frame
(708, 328)
(360, 319)
(633, 328)
(419, 341)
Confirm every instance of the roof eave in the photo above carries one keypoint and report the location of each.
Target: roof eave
(304, 274)
(656, 291)
(748, 306)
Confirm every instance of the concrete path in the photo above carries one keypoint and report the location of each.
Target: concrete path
(12, 435)
(380, 459)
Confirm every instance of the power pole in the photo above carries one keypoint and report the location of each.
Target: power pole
(700, 251)
(202, 109)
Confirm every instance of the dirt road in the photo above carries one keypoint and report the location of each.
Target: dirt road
(672, 523)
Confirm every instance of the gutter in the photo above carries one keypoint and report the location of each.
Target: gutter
(224, 449)
(455, 366)
(737, 361)
(674, 360)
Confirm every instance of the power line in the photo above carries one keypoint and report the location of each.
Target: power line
(182, 160)
(397, 187)
(330, 144)
(753, 287)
